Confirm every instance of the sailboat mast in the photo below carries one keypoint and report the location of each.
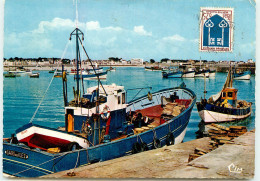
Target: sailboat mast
(77, 62)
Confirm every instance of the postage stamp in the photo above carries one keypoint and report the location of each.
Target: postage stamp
(216, 29)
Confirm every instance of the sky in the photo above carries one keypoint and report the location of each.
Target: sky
(153, 29)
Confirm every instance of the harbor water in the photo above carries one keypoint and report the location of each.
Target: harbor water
(22, 96)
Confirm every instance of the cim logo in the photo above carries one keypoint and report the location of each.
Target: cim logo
(216, 29)
(234, 169)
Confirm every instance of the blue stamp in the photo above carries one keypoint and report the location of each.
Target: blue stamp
(216, 29)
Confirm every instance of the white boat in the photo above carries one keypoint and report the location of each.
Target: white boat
(202, 73)
(224, 106)
(212, 73)
(34, 75)
(20, 72)
(190, 73)
(90, 75)
(242, 76)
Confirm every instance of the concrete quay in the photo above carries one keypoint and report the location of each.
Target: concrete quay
(229, 161)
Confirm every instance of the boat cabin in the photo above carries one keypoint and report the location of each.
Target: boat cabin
(93, 120)
(229, 95)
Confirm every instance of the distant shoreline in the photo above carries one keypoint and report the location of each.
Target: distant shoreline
(219, 67)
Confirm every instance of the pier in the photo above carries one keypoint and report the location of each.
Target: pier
(234, 160)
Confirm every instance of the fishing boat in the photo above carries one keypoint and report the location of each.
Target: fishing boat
(212, 73)
(190, 73)
(11, 75)
(173, 72)
(18, 72)
(202, 73)
(224, 106)
(246, 75)
(90, 75)
(73, 71)
(99, 125)
(34, 75)
(52, 71)
(57, 74)
(112, 69)
(155, 68)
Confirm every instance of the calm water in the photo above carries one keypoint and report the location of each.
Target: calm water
(23, 94)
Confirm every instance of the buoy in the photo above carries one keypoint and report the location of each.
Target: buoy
(105, 111)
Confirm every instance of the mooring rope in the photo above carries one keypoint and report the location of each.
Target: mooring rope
(49, 83)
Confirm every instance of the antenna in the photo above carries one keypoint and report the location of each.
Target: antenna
(77, 16)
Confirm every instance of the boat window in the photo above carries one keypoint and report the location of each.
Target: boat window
(224, 94)
(229, 94)
(118, 99)
(123, 98)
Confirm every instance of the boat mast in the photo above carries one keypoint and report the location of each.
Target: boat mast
(77, 61)
(77, 32)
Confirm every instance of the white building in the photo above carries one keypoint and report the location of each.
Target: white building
(137, 61)
(250, 61)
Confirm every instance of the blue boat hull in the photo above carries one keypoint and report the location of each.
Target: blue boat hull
(22, 161)
(172, 75)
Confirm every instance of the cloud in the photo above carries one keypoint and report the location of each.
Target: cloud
(59, 24)
(28, 44)
(95, 25)
(174, 38)
(56, 23)
(141, 31)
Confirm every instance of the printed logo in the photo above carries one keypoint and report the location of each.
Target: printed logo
(216, 29)
(234, 169)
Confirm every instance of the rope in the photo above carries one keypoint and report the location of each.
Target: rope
(39, 164)
(77, 160)
(210, 114)
(49, 84)
(73, 173)
(92, 65)
(140, 139)
(154, 134)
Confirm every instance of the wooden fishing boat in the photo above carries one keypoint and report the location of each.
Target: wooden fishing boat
(158, 119)
(224, 107)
